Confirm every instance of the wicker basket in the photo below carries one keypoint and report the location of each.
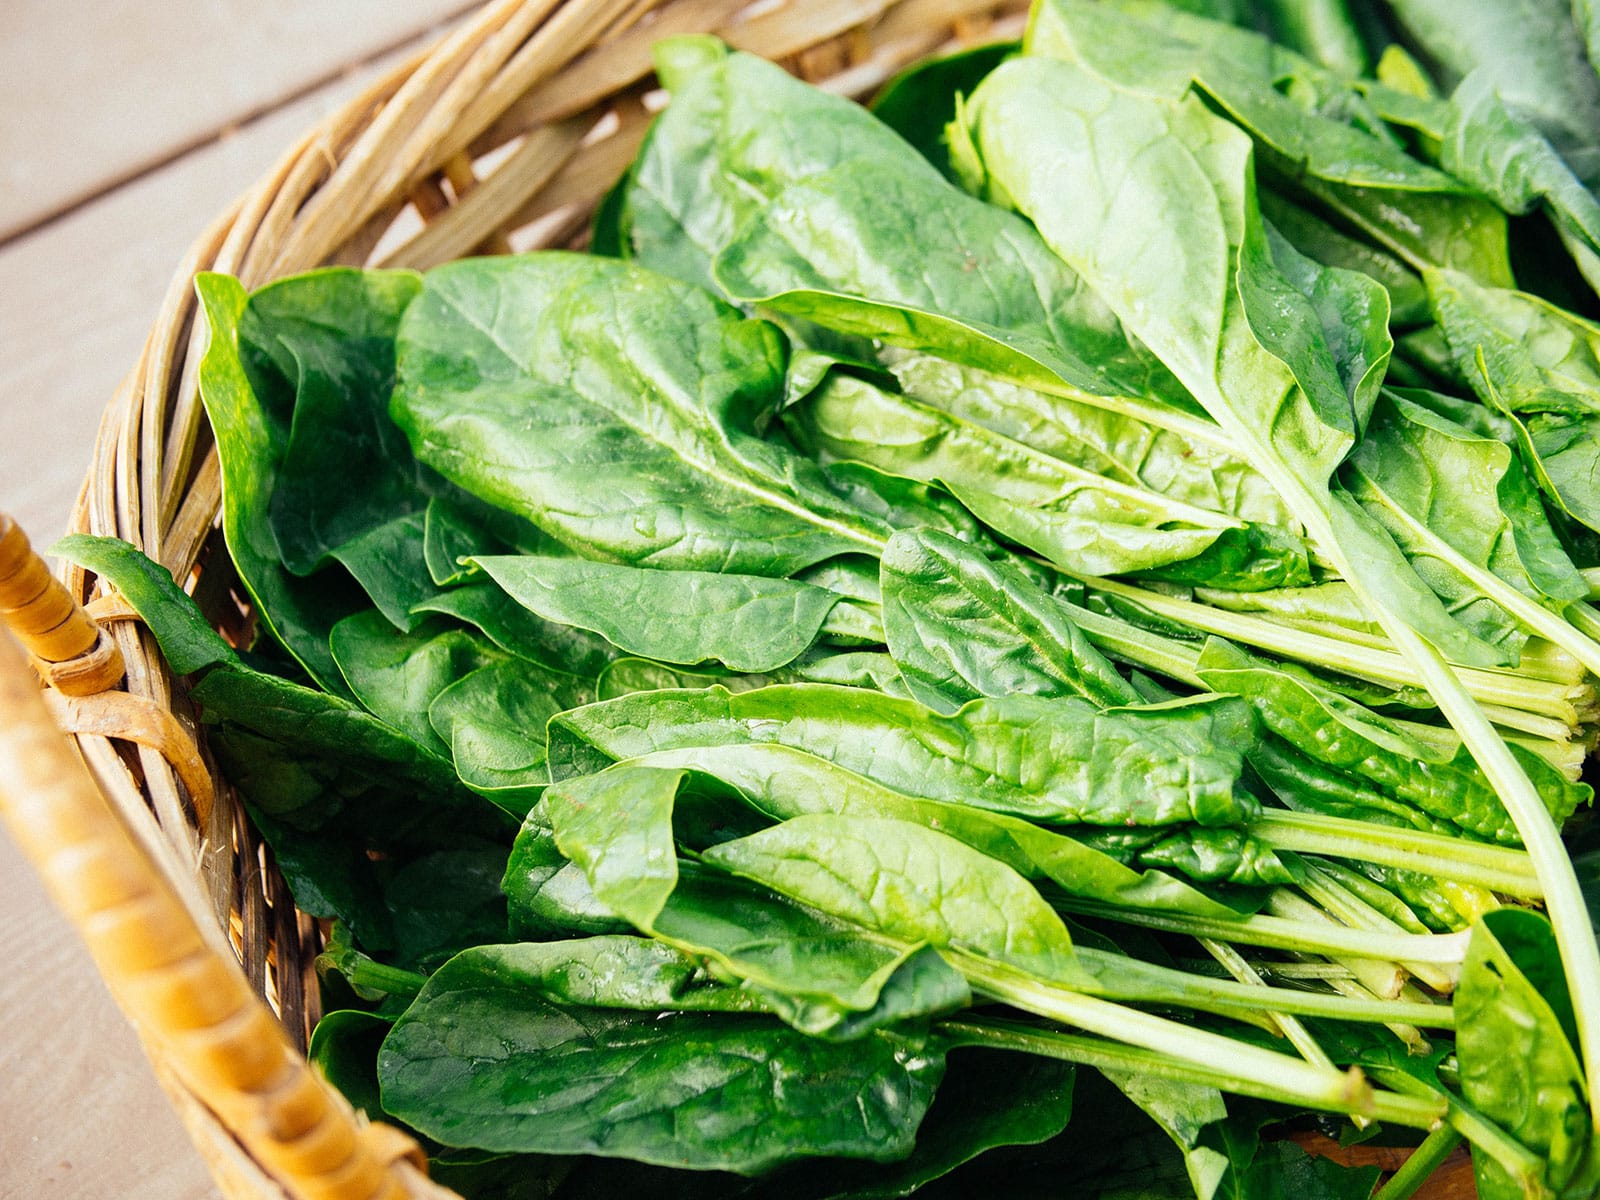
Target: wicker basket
(503, 136)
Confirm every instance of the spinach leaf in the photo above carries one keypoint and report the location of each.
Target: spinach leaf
(480, 1059)
(1081, 521)
(810, 204)
(396, 676)
(1530, 55)
(1495, 150)
(457, 530)
(960, 626)
(1515, 1041)
(912, 883)
(1052, 760)
(746, 622)
(320, 346)
(1183, 1111)
(617, 828)
(1345, 735)
(1539, 366)
(1257, 349)
(782, 782)
(1466, 543)
(252, 430)
(1322, 30)
(615, 409)
(492, 720)
(187, 640)
(516, 630)
(343, 1048)
(1318, 240)
(1421, 213)
(1108, 441)
(389, 563)
(986, 1101)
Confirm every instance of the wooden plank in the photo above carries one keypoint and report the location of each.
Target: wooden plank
(96, 91)
(81, 1114)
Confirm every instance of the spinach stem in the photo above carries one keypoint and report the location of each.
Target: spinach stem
(1564, 901)
(1494, 867)
(1483, 1133)
(1504, 688)
(1289, 1025)
(1349, 909)
(1280, 934)
(1413, 1173)
(1235, 1065)
(1132, 980)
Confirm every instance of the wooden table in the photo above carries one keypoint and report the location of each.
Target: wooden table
(125, 126)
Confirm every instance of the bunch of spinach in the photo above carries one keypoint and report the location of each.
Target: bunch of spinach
(969, 632)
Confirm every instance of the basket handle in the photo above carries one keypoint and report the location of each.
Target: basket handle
(193, 1004)
(71, 652)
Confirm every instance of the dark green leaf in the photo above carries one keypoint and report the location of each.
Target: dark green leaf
(480, 1061)
(185, 636)
(1515, 1041)
(615, 408)
(909, 882)
(960, 627)
(746, 622)
(1054, 760)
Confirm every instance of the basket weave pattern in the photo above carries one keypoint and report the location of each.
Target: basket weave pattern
(502, 137)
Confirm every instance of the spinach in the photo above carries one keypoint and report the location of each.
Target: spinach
(1532, 58)
(615, 409)
(1420, 213)
(481, 1059)
(1519, 1063)
(779, 193)
(1079, 520)
(1111, 442)
(781, 574)
(1537, 366)
(1056, 760)
(960, 626)
(746, 622)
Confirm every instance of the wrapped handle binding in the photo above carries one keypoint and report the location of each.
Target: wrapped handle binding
(70, 651)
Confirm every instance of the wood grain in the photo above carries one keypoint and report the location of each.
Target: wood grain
(98, 90)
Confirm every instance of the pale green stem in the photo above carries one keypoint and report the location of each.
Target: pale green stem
(1559, 750)
(1120, 639)
(1585, 619)
(1105, 1055)
(1424, 1160)
(1564, 901)
(1323, 937)
(1384, 667)
(1493, 867)
(1240, 1062)
(1382, 978)
(1290, 1026)
(1348, 908)
(1117, 977)
(1523, 1164)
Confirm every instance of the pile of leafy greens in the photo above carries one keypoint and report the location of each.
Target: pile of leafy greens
(1034, 633)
